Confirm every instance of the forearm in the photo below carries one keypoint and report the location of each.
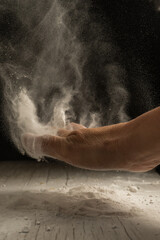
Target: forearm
(142, 140)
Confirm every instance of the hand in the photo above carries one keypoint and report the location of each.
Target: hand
(130, 146)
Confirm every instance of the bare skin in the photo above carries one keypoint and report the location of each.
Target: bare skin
(130, 146)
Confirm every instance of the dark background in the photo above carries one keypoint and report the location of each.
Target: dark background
(136, 25)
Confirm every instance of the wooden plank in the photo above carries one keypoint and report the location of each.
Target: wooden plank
(33, 191)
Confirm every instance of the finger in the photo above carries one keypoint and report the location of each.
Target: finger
(63, 132)
(76, 126)
(40, 146)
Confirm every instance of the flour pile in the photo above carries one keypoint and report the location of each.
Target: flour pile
(80, 201)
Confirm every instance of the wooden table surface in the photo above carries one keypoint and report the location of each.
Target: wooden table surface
(44, 201)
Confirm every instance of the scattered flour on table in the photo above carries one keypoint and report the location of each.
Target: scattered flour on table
(76, 201)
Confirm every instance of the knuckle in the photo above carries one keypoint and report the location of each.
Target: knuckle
(60, 132)
(76, 136)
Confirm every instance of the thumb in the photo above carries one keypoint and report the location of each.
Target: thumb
(40, 146)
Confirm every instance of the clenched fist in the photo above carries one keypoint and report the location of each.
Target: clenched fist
(130, 146)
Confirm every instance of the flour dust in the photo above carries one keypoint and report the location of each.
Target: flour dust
(60, 65)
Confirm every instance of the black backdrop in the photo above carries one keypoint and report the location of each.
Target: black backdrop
(137, 31)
